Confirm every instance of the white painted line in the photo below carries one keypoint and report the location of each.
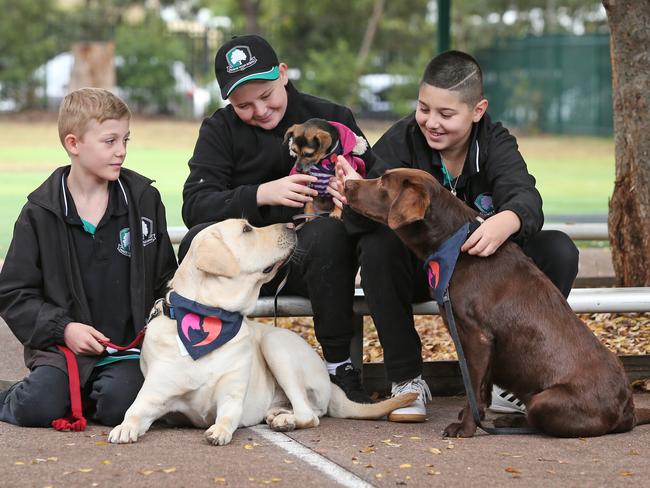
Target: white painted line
(327, 467)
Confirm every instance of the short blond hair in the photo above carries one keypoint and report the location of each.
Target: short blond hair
(81, 106)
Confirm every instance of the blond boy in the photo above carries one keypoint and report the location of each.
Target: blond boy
(89, 255)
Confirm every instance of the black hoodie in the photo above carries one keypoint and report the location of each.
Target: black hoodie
(494, 171)
(231, 159)
(41, 286)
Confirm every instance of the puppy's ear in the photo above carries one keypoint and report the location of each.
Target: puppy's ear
(213, 256)
(409, 206)
(324, 139)
(289, 134)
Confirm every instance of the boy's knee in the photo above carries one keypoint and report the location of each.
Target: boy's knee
(110, 409)
(380, 248)
(557, 256)
(114, 394)
(326, 238)
(37, 400)
(35, 409)
(558, 247)
(37, 414)
(111, 414)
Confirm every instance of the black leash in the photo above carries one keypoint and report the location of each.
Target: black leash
(299, 221)
(277, 294)
(467, 380)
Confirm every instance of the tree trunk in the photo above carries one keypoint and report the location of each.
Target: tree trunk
(629, 208)
(251, 9)
(366, 46)
(94, 65)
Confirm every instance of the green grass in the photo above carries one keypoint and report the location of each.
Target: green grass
(574, 175)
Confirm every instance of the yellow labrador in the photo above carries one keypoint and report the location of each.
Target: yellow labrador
(262, 374)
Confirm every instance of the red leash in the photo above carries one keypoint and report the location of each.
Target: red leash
(138, 339)
(76, 420)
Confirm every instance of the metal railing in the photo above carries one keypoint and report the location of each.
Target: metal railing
(577, 232)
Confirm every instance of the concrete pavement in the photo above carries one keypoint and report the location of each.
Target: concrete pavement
(344, 453)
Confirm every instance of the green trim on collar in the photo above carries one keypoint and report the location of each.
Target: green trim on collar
(88, 227)
(447, 178)
(113, 359)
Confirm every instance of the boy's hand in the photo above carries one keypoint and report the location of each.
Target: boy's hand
(491, 234)
(344, 172)
(290, 191)
(83, 339)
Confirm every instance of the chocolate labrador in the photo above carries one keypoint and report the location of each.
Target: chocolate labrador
(516, 328)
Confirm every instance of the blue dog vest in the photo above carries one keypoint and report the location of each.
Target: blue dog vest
(441, 263)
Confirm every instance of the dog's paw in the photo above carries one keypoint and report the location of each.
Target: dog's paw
(124, 433)
(457, 429)
(284, 422)
(336, 213)
(514, 420)
(218, 435)
(274, 412)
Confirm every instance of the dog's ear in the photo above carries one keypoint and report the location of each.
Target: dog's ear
(213, 256)
(324, 139)
(410, 206)
(289, 134)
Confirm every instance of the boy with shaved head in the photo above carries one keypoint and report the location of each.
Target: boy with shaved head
(451, 136)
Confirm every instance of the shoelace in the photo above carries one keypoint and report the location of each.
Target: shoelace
(417, 385)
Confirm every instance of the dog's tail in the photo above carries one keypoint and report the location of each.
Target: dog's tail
(642, 415)
(342, 407)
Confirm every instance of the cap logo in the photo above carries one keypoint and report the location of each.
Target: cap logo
(239, 58)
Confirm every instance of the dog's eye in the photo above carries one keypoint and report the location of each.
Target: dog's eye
(247, 228)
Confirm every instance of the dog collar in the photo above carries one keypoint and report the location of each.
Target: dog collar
(441, 263)
(336, 151)
(200, 328)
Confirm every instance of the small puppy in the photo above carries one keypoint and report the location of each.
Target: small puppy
(316, 144)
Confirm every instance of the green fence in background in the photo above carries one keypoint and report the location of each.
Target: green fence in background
(553, 84)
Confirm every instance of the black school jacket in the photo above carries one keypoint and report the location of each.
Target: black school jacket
(231, 159)
(41, 288)
(494, 170)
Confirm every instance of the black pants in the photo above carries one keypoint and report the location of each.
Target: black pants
(322, 269)
(44, 395)
(393, 278)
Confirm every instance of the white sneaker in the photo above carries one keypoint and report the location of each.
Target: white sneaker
(505, 402)
(416, 411)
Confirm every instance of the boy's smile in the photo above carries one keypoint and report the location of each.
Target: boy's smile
(444, 119)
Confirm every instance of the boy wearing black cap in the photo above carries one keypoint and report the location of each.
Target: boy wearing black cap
(240, 168)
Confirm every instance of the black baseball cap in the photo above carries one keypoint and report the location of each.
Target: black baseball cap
(242, 59)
